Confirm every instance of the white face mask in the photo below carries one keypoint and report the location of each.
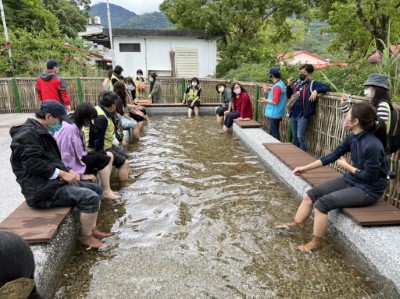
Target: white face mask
(151, 79)
(139, 76)
(194, 84)
(368, 92)
(221, 89)
(237, 90)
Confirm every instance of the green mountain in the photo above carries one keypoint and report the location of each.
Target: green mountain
(119, 15)
(154, 20)
(123, 18)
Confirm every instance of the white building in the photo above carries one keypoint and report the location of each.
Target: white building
(172, 53)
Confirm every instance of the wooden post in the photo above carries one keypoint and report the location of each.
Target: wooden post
(80, 93)
(183, 88)
(257, 99)
(16, 94)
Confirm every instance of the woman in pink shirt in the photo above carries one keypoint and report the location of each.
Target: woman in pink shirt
(71, 142)
(242, 107)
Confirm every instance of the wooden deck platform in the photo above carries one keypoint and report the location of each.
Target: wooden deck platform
(35, 225)
(381, 213)
(248, 123)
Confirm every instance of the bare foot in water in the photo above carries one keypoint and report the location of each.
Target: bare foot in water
(111, 195)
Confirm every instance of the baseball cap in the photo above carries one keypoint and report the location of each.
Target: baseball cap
(52, 63)
(274, 70)
(55, 109)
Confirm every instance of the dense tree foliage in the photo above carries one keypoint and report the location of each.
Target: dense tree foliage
(37, 31)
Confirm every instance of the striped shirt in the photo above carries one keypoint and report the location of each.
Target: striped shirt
(382, 111)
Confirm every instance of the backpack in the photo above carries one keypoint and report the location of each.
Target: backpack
(394, 128)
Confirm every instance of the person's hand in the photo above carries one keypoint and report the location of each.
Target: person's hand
(343, 100)
(299, 170)
(313, 96)
(68, 108)
(290, 81)
(78, 177)
(149, 97)
(263, 100)
(226, 112)
(88, 177)
(70, 178)
(123, 143)
(342, 162)
(192, 105)
(264, 88)
(240, 118)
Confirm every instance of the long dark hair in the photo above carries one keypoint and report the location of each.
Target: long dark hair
(381, 95)
(369, 121)
(119, 89)
(241, 88)
(83, 115)
(16, 260)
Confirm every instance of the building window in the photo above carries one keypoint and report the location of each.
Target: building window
(129, 47)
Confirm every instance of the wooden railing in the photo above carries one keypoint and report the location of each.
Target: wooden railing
(324, 134)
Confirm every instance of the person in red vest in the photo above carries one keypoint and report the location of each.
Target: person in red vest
(50, 86)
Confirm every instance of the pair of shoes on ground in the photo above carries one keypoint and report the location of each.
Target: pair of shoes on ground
(92, 243)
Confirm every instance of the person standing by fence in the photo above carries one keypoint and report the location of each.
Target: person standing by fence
(275, 107)
(50, 86)
(155, 89)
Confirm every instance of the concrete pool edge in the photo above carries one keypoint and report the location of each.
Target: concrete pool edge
(377, 247)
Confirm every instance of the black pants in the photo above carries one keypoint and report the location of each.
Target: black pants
(230, 117)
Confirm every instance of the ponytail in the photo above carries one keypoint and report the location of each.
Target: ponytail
(381, 133)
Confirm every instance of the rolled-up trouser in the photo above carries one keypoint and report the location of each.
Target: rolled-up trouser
(220, 110)
(85, 196)
(230, 117)
(335, 194)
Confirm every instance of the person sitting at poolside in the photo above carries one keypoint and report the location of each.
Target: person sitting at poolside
(72, 145)
(363, 182)
(17, 268)
(44, 179)
(101, 137)
(192, 97)
(226, 102)
(242, 107)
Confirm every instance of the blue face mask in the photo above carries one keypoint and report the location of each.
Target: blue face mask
(55, 128)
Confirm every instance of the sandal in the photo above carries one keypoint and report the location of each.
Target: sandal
(92, 243)
(101, 235)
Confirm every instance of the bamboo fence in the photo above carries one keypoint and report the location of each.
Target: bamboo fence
(324, 133)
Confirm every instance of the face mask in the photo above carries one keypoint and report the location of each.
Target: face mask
(151, 79)
(131, 87)
(237, 90)
(368, 92)
(139, 76)
(302, 77)
(194, 84)
(54, 128)
(221, 89)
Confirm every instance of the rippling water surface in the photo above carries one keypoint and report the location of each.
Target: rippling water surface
(199, 224)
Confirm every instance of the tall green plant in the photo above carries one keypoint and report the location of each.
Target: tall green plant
(389, 65)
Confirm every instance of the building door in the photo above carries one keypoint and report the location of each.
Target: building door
(187, 62)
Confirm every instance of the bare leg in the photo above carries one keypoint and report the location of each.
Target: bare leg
(196, 111)
(105, 174)
(320, 227)
(136, 132)
(220, 119)
(88, 222)
(123, 173)
(140, 125)
(303, 212)
(190, 111)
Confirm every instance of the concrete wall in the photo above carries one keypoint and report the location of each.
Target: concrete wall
(154, 54)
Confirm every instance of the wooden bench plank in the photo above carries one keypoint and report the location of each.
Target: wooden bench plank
(35, 225)
(381, 213)
(248, 123)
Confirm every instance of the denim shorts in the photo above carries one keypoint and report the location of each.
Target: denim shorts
(85, 196)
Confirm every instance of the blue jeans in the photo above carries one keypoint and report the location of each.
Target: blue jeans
(299, 127)
(274, 127)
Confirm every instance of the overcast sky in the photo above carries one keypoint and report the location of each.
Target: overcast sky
(137, 6)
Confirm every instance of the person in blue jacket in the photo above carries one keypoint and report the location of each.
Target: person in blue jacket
(305, 106)
(275, 107)
(364, 180)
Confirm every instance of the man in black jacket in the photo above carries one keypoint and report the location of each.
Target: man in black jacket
(45, 181)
